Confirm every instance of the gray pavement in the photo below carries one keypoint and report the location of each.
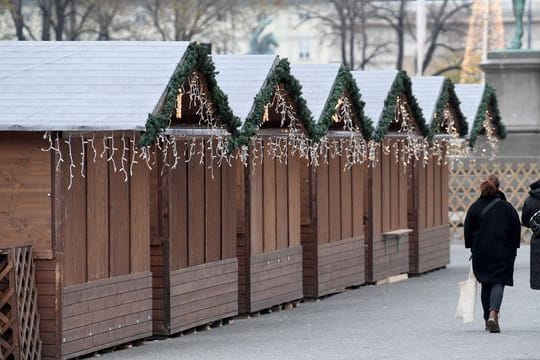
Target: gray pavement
(413, 319)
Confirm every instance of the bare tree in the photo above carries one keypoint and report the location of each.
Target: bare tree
(15, 8)
(394, 13)
(45, 6)
(184, 19)
(104, 14)
(68, 18)
(445, 18)
(346, 20)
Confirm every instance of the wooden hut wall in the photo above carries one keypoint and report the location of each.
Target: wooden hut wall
(387, 251)
(105, 241)
(91, 242)
(428, 216)
(332, 226)
(27, 218)
(268, 231)
(193, 244)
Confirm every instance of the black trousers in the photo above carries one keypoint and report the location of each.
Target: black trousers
(491, 295)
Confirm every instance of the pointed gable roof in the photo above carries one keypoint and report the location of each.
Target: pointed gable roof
(432, 94)
(242, 77)
(475, 100)
(322, 85)
(379, 89)
(249, 82)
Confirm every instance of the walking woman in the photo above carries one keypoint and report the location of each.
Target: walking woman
(492, 232)
(530, 217)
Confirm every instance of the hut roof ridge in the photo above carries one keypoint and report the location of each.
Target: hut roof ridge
(379, 89)
(432, 94)
(475, 100)
(317, 82)
(242, 77)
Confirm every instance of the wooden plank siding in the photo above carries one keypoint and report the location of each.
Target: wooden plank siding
(429, 246)
(105, 232)
(275, 278)
(332, 262)
(31, 196)
(196, 229)
(25, 190)
(268, 226)
(47, 306)
(388, 206)
(203, 294)
(106, 218)
(107, 312)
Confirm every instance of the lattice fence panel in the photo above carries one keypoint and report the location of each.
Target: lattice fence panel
(19, 319)
(464, 186)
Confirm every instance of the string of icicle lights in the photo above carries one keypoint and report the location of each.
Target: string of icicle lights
(121, 151)
(460, 153)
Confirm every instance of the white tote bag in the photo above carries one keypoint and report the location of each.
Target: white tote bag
(467, 298)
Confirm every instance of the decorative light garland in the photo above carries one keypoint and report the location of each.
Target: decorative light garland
(411, 146)
(89, 152)
(353, 147)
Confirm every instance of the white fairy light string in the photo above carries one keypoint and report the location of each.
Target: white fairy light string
(354, 147)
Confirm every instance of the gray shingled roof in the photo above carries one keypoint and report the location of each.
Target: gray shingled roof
(427, 90)
(470, 96)
(374, 86)
(83, 86)
(241, 77)
(317, 81)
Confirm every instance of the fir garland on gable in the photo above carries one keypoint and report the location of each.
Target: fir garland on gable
(345, 82)
(280, 74)
(448, 96)
(489, 101)
(195, 59)
(401, 85)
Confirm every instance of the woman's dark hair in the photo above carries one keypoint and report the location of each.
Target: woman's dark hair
(490, 186)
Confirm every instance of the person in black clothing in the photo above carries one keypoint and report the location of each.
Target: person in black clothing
(492, 232)
(531, 206)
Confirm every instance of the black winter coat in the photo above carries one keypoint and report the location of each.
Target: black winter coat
(493, 239)
(532, 205)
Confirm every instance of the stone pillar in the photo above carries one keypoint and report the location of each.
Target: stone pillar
(515, 75)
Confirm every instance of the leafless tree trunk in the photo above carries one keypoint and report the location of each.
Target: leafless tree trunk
(78, 15)
(394, 14)
(444, 18)
(105, 12)
(15, 9)
(45, 6)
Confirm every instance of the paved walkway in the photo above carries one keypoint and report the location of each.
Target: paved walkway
(413, 319)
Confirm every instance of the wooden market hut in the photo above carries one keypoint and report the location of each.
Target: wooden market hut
(79, 195)
(193, 223)
(267, 100)
(429, 242)
(398, 121)
(480, 108)
(332, 203)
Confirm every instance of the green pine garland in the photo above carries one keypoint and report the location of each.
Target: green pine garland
(401, 85)
(448, 96)
(280, 74)
(345, 82)
(195, 58)
(489, 101)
